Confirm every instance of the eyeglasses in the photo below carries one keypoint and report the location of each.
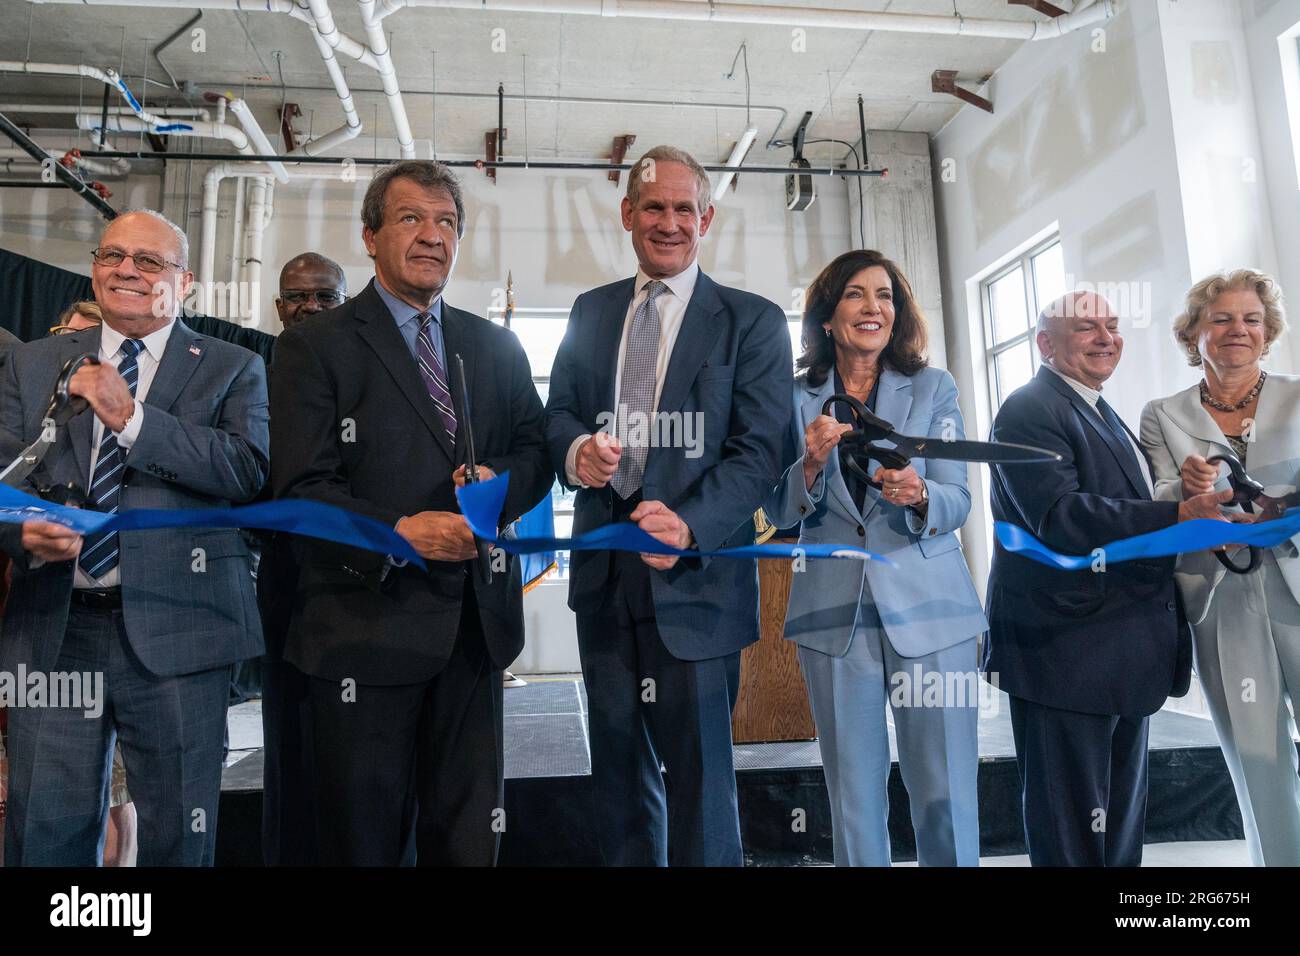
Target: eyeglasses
(62, 329)
(323, 296)
(144, 261)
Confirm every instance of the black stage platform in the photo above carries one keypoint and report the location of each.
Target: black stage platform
(548, 793)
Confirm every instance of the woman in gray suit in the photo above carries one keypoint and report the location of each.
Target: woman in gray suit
(874, 638)
(1246, 627)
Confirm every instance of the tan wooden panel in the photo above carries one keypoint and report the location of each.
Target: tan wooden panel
(773, 702)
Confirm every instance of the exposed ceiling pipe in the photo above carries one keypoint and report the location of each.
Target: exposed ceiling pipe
(695, 10)
(374, 24)
(85, 191)
(60, 109)
(791, 16)
(734, 160)
(133, 124)
(258, 138)
(107, 77)
(236, 231)
(322, 27)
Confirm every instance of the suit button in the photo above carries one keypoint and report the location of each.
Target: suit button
(803, 509)
(933, 532)
(1171, 606)
(861, 531)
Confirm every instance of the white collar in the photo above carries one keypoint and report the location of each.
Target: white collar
(155, 342)
(1087, 393)
(681, 285)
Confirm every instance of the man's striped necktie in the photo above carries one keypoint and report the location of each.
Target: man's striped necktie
(100, 551)
(435, 376)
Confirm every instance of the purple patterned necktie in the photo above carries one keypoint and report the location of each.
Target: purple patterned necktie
(435, 376)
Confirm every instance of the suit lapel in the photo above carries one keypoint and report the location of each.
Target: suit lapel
(1187, 412)
(1125, 458)
(813, 400)
(609, 335)
(179, 361)
(379, 330)
(694, 342)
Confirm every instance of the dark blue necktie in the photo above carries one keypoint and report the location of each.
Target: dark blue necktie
(99, 552)
(1117, 429)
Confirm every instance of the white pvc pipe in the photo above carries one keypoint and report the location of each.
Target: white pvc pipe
(108, 78)
(133, 124)
(167, 113)
(324, 25)
(374, 25)
(792, 16)
(236, 231)
(693, 10)
(254, 226)
(258, 138)
(116, 167)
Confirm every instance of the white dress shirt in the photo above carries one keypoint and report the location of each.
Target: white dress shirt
(110, 346)
(672, 309)
(1091, 396)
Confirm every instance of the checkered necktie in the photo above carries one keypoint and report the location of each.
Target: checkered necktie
(636, 393)
(435, 376)
(100, 551)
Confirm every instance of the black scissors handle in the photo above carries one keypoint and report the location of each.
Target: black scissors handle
(1245, 492)
(858, 444)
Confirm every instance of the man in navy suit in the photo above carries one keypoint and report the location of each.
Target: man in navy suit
(176, 420)
(668, 400)
(1086, 656)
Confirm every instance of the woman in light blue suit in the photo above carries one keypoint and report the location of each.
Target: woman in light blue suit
(1245, 627)
(874, 638)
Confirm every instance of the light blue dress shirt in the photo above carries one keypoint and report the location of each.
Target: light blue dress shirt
(404, 315)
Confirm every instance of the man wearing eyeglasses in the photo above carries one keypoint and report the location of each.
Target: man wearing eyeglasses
(309, 283)
(152, 620)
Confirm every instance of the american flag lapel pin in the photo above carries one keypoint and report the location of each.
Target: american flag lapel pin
(194, 350)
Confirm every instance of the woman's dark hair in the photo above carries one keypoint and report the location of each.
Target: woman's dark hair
(907, 341)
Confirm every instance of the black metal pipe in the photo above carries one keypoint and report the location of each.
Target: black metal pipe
(501, 121)
(595, 166)
(30, 184)
(862, 128)
(24, 142)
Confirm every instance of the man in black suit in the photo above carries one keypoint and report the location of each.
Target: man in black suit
(310, 283)
(1086, 656)
(405, 665)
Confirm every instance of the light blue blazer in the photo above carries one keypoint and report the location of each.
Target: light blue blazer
(928, 602)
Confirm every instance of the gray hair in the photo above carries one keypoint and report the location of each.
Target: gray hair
(643, 171)
(1202, 295)
(182, 240)
(423, 172)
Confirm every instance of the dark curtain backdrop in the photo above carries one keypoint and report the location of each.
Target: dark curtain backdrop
(32, 294)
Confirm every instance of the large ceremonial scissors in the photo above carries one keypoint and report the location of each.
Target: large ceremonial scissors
(484, 561)
(64, 406)
(860, 448)
(1249, 494)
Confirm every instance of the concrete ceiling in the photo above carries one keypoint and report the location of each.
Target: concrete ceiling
(545, 55)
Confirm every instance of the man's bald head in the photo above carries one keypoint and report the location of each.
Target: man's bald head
(1078, 335)
(309, 283)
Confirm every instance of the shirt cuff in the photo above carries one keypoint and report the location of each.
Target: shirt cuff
(127, 436)
(571, 461)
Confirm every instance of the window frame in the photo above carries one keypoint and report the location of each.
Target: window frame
(1029, 288)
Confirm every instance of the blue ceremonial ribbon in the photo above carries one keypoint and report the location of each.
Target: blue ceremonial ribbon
(313, 519)
(1181, 538)
(481, 504)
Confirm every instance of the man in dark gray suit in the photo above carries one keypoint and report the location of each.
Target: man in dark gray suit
(176, 420)
(667, 403)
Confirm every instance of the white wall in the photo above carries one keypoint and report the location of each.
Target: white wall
(1081, 139)
(1160, 150)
